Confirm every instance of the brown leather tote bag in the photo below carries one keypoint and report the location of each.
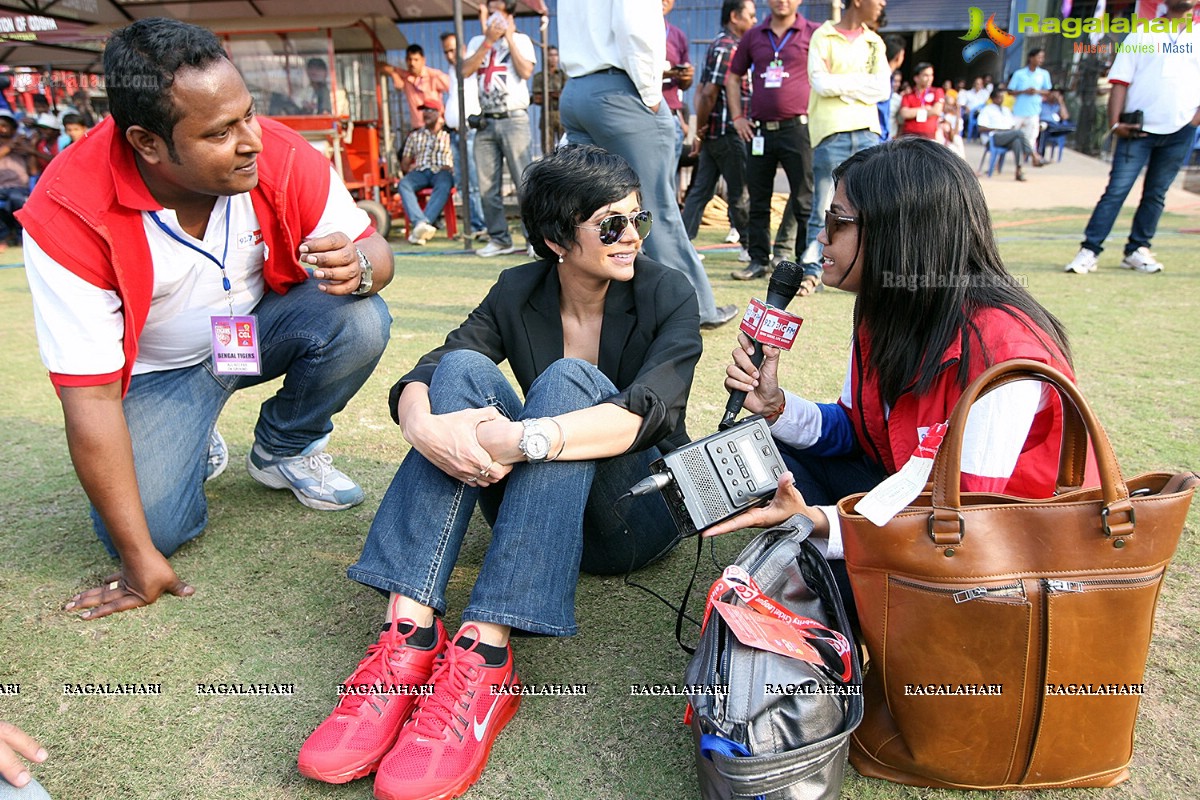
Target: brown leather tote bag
(1008, 636)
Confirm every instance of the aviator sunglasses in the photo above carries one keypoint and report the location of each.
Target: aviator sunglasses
(834, 222)
(613, 228)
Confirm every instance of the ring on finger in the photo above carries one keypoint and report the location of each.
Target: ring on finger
(114, 585)
(472, 479)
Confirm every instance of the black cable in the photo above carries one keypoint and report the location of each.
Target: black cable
(680, 610)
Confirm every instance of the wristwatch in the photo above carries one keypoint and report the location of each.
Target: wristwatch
(535, 441)
(364, 282)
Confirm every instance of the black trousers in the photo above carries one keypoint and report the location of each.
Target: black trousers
(723, 157)
(789, 148)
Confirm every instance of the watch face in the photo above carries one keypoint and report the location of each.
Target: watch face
(535, 443)
(537, 446)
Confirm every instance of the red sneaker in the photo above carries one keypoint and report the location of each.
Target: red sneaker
(443, 748)
(352, 740)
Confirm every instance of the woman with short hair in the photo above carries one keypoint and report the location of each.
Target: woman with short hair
(603, 343)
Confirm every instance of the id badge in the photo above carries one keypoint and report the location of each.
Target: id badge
(922, 115)
(235, 345)
(758, 146)
(773, 75)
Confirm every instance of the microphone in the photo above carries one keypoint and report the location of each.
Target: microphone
(784, 284)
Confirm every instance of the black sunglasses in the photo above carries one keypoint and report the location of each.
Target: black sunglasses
(834, 222)
(613, 228)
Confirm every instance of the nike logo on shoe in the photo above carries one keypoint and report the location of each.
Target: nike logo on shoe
(480, 725)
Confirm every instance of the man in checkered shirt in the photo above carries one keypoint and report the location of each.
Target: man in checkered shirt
(427, 163)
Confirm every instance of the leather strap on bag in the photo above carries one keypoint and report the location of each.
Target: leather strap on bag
(946, 526)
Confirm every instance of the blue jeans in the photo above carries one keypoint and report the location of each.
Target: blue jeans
(30, 791)
(548, 520)
(1162, 156)
(324, 346)
(475, 208)
(441, 182)
(503, 140)
(831, 152)
(605, 109)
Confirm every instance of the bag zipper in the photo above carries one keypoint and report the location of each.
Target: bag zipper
(1009, 590)
(1056, 586)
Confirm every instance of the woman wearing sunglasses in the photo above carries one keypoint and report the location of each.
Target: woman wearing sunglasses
(908, 232)
(603, 343)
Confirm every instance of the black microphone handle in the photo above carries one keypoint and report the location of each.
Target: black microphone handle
(780, 291)
(737, 398)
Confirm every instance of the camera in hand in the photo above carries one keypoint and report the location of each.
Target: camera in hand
(716, 477)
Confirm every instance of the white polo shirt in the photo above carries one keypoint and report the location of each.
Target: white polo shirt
(1164, 81)
(80, 326)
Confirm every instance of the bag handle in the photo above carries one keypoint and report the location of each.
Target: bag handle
(1072, 464)
(946, 525)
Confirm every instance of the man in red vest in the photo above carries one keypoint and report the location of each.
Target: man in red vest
(181, 251)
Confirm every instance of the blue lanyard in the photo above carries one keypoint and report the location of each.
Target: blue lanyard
(224, 253)
(780, 45)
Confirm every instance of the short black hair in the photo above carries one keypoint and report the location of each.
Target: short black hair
(568, 186)
(316, 62)
(510, 6)
(442, 37)
(730, 8)
(72, 119)
(998, 91)
(140, 63)
(921, 67)
(1034, 52)
(415, 49)
(894, 45)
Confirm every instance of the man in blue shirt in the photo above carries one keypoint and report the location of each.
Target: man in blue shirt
(1028, 86)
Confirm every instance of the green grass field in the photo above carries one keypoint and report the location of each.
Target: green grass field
(273, 605)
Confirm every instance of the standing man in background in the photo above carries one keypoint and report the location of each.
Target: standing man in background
(457, 126)
(1163, 82)
(1027, 87)
(614, 52)
(719, 149)
(677, 78)
(848, 68)
(557, 79)
(504, 60)
(419, 82)
(778, 134)
(921, 110)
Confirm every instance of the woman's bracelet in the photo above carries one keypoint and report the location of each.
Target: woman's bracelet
(562, 435)
(772, 416)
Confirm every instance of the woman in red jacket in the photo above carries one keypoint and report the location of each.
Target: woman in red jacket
(908, 232)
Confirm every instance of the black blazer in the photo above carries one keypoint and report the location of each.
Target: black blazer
(649, 341)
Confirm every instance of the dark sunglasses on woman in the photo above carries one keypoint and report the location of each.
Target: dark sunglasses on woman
(613, 228)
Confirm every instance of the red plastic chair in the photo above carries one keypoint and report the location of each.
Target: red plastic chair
(449, 211)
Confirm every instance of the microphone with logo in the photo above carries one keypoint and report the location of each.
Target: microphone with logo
(785, 282)
(738, 467)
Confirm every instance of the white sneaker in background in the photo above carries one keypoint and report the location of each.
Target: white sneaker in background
(1142, 260)
(1083, 262)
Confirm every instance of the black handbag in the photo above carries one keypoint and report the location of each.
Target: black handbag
(764, 724)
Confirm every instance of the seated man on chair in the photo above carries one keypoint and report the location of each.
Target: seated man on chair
(428, 163)
(998, 122)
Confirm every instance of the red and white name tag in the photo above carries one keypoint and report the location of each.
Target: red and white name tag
(788, 640)
(771, 326)
(767, 633)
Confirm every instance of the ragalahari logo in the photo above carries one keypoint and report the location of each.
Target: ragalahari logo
(995, 36)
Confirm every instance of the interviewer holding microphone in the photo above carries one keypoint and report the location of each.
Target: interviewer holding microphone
(908, 232)
(603, 343)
